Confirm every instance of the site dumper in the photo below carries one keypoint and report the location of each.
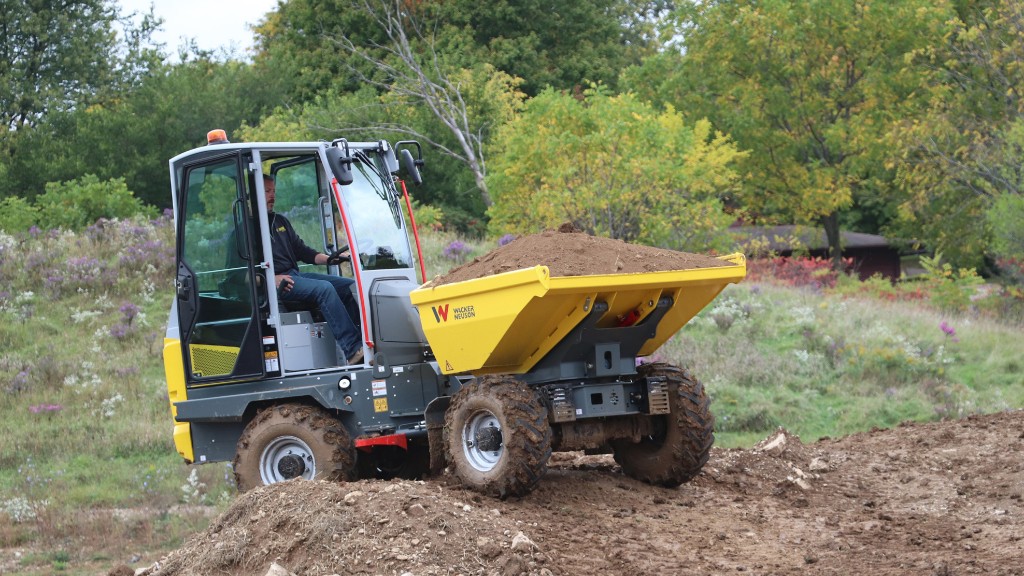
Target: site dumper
(554, 365)
(485, 377)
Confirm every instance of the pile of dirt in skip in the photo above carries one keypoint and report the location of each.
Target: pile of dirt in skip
(570, 252)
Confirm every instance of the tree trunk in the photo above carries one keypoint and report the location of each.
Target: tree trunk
(835, 250)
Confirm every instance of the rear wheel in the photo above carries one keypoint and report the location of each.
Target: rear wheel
(498, 438)
(682, 441)
(293, 441)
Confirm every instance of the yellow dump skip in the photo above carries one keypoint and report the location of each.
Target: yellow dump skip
(506, 323)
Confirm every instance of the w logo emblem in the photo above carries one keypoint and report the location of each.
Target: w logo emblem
(440, 313)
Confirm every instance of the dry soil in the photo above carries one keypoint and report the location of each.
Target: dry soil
(939, 498)
(569, 252)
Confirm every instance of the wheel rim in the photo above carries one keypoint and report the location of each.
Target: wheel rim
(482, 442)
(287, 457)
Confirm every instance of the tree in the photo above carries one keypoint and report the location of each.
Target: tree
(55, 56)
(134, 136)
(615, 167)
(810, 88)
(411, 72)
(564, 45)
(961, 159)
(463, 63)
(59, 60)
(368, 115)
(292, 50)
(558, 44)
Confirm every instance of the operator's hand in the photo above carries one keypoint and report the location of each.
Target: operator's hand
(284, 282)
(338, 256)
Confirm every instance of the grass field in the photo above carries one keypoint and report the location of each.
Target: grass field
(89, 477)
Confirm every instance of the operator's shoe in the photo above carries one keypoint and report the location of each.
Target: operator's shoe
(356, 358)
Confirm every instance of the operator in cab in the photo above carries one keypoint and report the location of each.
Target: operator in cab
(331, 294)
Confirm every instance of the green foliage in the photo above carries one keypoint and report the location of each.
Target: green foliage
(491, 99)
(17, 214)
(1006, 216)
(964, 149)
(295, 51)
(615, 167)
(809, 88)
(563, 46)
(133, 137)
(951, 289)
(75, 204)
(42, 65)
(428, 217)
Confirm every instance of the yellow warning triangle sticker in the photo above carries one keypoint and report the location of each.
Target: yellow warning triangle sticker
(448, 366)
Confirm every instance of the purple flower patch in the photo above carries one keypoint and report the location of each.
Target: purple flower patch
(457, 250)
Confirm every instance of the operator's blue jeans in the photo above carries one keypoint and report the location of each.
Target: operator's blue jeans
(332, 294)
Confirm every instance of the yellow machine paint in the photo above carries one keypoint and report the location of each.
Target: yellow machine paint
(212, 360)
(174, 370)
(507, 322)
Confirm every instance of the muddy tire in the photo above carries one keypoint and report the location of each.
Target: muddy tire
(293, 441)
(680, 448)
(497, 436)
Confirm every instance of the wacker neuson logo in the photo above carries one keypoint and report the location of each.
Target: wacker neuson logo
(459, 313)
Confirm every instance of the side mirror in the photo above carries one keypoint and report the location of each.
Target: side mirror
(412, 164)
(340, 162)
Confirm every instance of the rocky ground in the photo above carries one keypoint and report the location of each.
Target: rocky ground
(940, 498)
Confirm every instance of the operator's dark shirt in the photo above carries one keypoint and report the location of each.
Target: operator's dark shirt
(288, 248)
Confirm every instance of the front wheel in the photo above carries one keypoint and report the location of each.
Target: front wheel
(293, 441)
(498, 438)
(682, 441)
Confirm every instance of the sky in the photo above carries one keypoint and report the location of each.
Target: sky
(213, 23)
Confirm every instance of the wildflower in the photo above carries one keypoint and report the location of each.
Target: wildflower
(45, 408)
(947, 329)
(457, 250)
(129, 311)
(20, 382)
(507, 238)
(120, 331)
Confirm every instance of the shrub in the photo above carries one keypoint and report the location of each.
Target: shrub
(812, 272)
(75, 204)
(881, 288)
(951, 290)
(1005, 217)
(428, 217)
(17, 214)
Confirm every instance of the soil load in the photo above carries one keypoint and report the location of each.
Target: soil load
(937, 499)
(569, 252)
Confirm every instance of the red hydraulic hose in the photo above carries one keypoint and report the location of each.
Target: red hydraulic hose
(415, 232)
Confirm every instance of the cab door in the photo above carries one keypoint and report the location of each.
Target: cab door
(216, 286)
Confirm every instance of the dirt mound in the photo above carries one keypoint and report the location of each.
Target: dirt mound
(569, 252)
(935, 499)
(368, 527)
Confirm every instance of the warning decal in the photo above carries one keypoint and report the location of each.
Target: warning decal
(380, 404)
(379, 388)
